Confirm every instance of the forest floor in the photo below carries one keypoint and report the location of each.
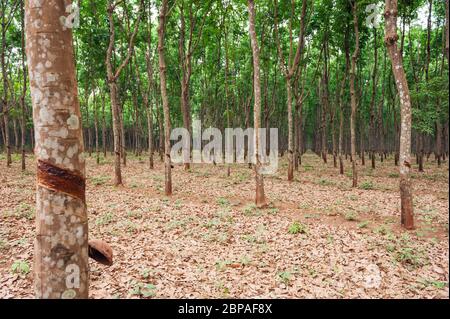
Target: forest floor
(318, 239)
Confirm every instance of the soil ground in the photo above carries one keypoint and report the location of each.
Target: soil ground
(319, 238)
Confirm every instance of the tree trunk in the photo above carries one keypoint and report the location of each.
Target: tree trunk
(16, 135)
(103, 126)
(290, 132)
(148, 102)
(116, 133)
(61, 246)
(5, 92)
(227, 102)
(161, 136)
(391, 38)
(381, 134)
(164, 97)
(289, 70)
(446, 30)
(341, 103)
(353, 96)
(373, 101)
(23, 122)
(112, 80)
(123, 141)
(325, 103)
(97, 153)
(260, 198)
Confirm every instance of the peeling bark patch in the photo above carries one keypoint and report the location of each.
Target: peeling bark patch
(61, 180)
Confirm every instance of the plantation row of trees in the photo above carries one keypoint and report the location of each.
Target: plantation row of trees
(323, 72)
(318, 70)
(209, 67)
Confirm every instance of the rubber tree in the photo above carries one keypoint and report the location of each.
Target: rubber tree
(164, 97)
(112, 75)
(391, 37)
(260, 198)
(61, 245)
(353, 96)
(289, 69)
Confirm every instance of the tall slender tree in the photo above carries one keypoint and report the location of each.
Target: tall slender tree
(112, 75)
(6, 19)
(23, 120)
(260, 198)
(289, 69)
(391, 37)
(165, 100)
(353, 94)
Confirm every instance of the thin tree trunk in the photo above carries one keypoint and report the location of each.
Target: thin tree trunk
(164, 97)
(227, 102)
(103, 126)
(97, 153)
(289, 70)
(161, 135)
(123, 143)
(341, 102)
(373, 101)
(260, 198)
(24, 90)
(446, 30)
(381, 134)
(112, 80)
(16, 135)
(5, 21)
(353, 96)
(391, 38)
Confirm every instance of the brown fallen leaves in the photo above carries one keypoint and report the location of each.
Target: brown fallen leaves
(208, 241)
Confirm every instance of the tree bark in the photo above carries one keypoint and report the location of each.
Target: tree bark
(373, 100)
(446, 30)
(112, 81)
(103, 125)
(61, 246)
(260, 198)
(164, 97)
(341, 102)
(391, 38)
(23, 122)
(97, 150)
(353, 96)
(4, 24)
(289, 70)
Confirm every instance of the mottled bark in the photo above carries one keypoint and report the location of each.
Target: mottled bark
(325, 101)
(446, 30)
(5, 23)
(164, 97)
(341, 102)
(97, 150)
(260, 198)
(103, 125)
(380, 126)
(391, 38)
(227, 102)
(24, 90)
(289, 69)
(112, 81)
(61, 246)
(373, 101)
(148, 102)
(16, 135)
(353, 96)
